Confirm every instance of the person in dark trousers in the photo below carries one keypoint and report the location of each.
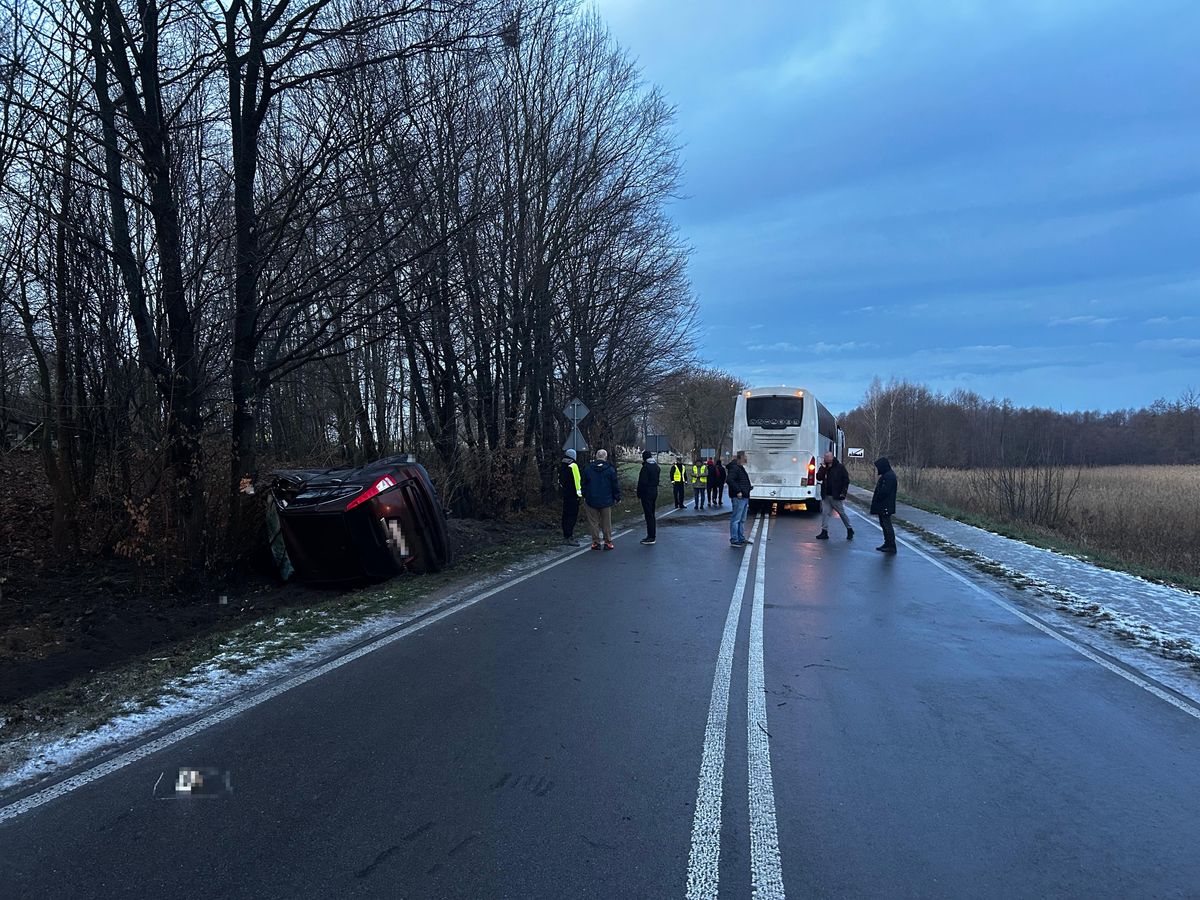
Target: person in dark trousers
(835, 483)
(699, 483)
(739, 498)
(679, 480)
(883, 503)
(601, 492)
(719, 488)
(647, 491)
(711, 466)
(572, 490)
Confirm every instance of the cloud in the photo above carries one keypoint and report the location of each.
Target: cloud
(1179, 343)
(1170, 320)
(933, 192)
(818, 347)
(1085, 320)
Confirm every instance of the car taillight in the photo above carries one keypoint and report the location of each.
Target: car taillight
(387, 481)
(812, 470)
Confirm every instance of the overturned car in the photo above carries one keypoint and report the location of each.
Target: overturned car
(369, 522)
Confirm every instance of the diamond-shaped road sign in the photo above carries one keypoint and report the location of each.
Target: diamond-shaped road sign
(575, 440)
(576, 410)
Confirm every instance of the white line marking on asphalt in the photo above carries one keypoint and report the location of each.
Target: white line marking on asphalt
(766, 867)
(154, 790)
(1081, 649)
(94, 773)
(33, 801)
(703, 875)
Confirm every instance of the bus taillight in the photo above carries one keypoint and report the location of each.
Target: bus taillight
(812, 470)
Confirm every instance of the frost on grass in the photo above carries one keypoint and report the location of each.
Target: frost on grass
(243, 662)
(246, 661)
(1147, 615)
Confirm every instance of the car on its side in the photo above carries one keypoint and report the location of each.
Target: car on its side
(364, 523)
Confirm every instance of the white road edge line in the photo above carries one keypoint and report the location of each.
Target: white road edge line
(766, 867)
(703, 875)
(87, 776)
(54, 791)
(1079, 648)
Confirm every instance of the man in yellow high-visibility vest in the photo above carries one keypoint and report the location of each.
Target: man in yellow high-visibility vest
(679, 481)
(699, 483)
(572, 491)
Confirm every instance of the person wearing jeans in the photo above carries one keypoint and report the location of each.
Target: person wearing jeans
(738, 482)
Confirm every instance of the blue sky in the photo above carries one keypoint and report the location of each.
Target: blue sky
(1001, 196)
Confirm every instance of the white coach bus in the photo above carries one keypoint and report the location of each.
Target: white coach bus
(785, 431)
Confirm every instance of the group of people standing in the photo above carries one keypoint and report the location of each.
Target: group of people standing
(599, 487)
(706, 477)
(835, 484)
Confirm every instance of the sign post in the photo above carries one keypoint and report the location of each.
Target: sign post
(576, 410)
(856, 453)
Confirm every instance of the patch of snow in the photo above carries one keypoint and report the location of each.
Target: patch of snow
(1130, 612)
(210, 684)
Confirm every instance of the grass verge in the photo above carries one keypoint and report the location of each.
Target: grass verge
(1047, 540)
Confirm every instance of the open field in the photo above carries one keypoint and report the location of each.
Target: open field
(1145, 519)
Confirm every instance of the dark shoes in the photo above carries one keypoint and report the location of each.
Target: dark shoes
(886, 548)
(849, 534)
(823, 536)
(647, 541)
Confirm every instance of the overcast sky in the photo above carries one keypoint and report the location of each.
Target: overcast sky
(1002, 195)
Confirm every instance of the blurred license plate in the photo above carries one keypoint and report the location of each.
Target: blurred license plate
(770, 479)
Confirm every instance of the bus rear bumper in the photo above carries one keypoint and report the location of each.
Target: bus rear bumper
(786, 493)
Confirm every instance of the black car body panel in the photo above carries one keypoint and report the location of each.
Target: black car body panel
(370, 522)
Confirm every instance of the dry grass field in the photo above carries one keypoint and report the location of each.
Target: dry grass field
(1144, 518)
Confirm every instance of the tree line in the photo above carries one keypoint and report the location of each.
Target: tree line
(235, 233)
(915, 426)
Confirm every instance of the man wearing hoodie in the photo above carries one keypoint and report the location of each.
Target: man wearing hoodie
(572, 490)
(647, 491)
(601, 492)
(883, 503)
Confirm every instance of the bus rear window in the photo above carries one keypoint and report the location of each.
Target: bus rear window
(774, 412)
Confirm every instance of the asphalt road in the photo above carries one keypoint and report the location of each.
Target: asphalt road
(566, 737)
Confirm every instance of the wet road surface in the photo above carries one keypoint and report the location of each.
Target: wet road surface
(799, 718)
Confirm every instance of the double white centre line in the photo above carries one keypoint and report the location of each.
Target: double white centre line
(766, 869)
(704, 861)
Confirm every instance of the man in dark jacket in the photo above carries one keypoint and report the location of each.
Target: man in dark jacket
(883, 503)
(601, 491)
(739, 498)
(572, 490)
(719, 487)
(647, 491)
(835, 483)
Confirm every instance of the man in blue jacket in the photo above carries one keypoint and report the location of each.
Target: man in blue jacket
(601, 492)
